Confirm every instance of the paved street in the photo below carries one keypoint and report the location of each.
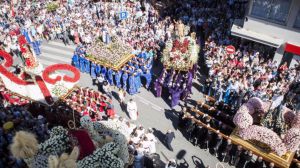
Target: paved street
(153, 112)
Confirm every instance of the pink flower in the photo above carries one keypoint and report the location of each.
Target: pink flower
(265, 135)
(251, 109)
(292, 139)
(242, 120)
(289, 116)
(256, 103)
(296, 120)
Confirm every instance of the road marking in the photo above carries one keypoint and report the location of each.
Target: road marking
(55, 43)
(156, 107)
(46, 62)
(147, 103)
(58, 58)
(55, 50)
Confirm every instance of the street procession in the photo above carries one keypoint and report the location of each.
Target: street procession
(150, 84)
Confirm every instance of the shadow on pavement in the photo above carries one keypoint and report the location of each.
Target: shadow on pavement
(198, 162)
(159, 135)
(173, 116)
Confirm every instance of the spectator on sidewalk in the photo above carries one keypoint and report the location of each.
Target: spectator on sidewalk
(169, 138)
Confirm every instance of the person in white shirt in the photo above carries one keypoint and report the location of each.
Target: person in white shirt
(135, 139)
(140, 131)
(150, 135)
(132, 109)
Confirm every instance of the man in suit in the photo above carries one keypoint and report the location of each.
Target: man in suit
(169, 138)
(217, 144)
(259, 163)
(235, 159)
(225, 151)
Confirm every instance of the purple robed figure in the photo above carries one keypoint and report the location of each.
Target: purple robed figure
(158, 83)
(175, 93)
(189, 83)
(158, 87)
(194, 70)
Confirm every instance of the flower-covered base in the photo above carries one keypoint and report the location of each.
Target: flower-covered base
(280, 161)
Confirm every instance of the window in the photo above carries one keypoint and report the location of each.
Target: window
(273, 10)
(297, 21)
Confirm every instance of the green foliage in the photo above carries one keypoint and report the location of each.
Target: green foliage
(52, 7)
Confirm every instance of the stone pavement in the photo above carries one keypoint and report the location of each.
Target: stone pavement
(153, 112)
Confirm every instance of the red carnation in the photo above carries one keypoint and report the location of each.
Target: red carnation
(22, 40)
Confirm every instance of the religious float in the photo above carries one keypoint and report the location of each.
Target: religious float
(94, 144)
(45, 85)
(179, 59)
(112, 55)
(269, 129)
(181, 53)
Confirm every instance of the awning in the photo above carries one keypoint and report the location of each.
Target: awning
(292, 48)
(257, 37)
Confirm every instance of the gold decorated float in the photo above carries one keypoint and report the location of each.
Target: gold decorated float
(259, 149)
(113, 55)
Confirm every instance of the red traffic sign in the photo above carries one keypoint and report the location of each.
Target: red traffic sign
(230, 49)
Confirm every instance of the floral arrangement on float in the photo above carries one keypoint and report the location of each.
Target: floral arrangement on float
(113, 55)
(278, 128)
(181, 53)
(89, 146)
(41, 83)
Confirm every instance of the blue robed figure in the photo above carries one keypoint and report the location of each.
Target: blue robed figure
(124, 80)
(110, 76)
(131, 81)
(93, 70)
(87, 66)
(148, 76)
(82, 64)
(103, 71)
(26, 35)
(98, 69)
(137, 80)
(118, 75)
(75, 61)
(36, 47)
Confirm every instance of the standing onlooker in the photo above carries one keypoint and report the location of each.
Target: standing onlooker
(132, 109)
(107, 89)
(169, 138)
(122, 95)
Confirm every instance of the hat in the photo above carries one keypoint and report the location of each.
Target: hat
(8, 125)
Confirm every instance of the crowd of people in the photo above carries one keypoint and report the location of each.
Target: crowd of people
(231, 78)
(89, 102)
(246, 73)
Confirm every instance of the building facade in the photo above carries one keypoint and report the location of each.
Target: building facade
(274, 23)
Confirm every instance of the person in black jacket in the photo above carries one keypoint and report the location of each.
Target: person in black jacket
(169, 138)
(247, 159)
(225, 151)
(217, 144)
(207, 139)
(259, 163)
(195, 132)
(201, 135)
(236, 156)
